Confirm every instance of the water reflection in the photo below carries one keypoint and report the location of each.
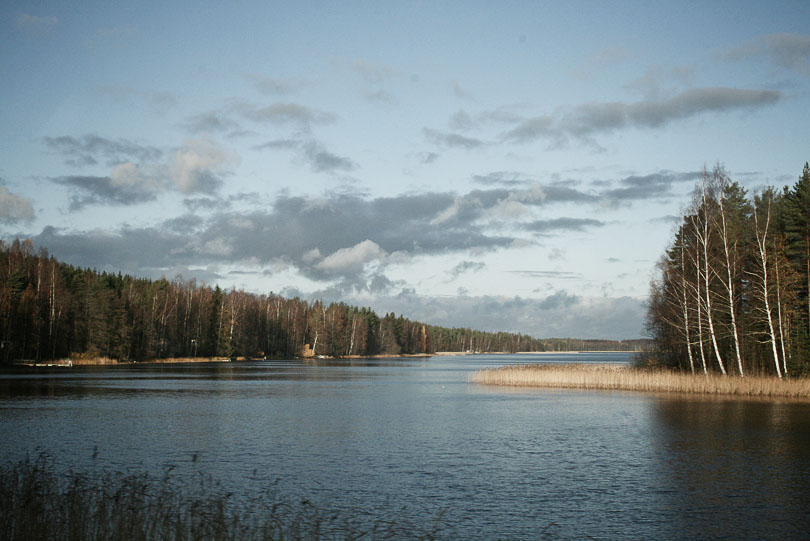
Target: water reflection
(365, 435)
(744, 463)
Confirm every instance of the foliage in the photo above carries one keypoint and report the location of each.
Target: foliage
(51, 310)
(732, 290)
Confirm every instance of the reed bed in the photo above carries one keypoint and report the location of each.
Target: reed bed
(37, 503)
(625, 378)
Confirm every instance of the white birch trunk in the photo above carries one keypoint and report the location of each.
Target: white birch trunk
(730, 287)
(763, 255)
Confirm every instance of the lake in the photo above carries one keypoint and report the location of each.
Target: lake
(413, 438)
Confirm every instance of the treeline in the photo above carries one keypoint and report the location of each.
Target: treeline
(52, 310)
(576, 344)
(732, 295)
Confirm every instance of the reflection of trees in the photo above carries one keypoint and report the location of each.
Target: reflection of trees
(734, 468)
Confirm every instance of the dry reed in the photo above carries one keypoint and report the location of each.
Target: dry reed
(38, 503)
(625, 378)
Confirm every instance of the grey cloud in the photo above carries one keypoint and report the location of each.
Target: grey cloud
(502, 178)
(560, 314)
(648, 186)
(146, 251)
(322, 160)
(533, 128)
(592, 118)
(283, 113)
(194, 168)
(89, 190)
(380, 96)
(790, 51)
(562, 275)
(14, 208)
(212, 122)
(294, 228)
(313, 152)
(460, 92)
(562, 224)
(462, 121)
(274, 87)
(204, 203)
(466, 266)
(90, 149)
(560, 299)
(452, 140)
(372, 73)
(184, 225)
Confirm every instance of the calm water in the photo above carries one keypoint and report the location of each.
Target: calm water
(411, 438)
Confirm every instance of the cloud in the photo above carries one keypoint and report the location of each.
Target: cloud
(452, 140)
(272, 86)
(502, 178)
(460, 92)
(91, 149)
(650, 186)
(372, 73)
(562, 224)
(787, 51)
(352, 259)
(14, 208)
(286, 113)
(313, 153)
(588, 119)
(560, 275)
(466, 266)
(560, 314)
(296, 230)
(212, 122)
(322, 160)
(380, 96)
(125, 186)
(195, 168)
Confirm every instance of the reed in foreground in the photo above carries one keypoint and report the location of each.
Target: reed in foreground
(38, 503)
(619, 377)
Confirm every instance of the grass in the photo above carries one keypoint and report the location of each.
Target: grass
(37, 503)
(620, 377)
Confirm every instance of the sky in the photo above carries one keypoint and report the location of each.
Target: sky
(515, 166)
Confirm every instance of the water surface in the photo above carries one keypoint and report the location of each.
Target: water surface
(412, 438)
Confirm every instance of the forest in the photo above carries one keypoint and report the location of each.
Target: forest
(51, 310)
(732, 293)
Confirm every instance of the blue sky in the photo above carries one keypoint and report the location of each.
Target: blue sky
(506, 166)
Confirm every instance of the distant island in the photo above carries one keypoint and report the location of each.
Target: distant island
(52, 312)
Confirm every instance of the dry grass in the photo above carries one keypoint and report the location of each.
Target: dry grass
(619, 377)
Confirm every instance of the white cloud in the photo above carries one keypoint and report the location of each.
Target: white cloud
(14, 208)
(197, 165)
(352, 259)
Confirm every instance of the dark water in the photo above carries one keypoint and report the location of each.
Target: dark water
(412, 438)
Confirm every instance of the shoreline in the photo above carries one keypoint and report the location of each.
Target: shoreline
(608, 377)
